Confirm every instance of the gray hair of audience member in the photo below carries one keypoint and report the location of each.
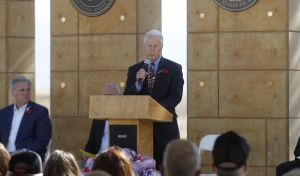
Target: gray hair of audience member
(14, 82)
(181, 157)
(98, 173)
(154, 33)
(112, 85)
(293, 172)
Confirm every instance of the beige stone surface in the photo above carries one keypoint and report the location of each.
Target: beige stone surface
(3, 93)
(207, 24)
(271, 171)
(92, 83)
(293, 134)
(255, 18)
(30, 76)
(20, 19)
(252, 94)
(63, 9)
(107, 52)
(64, 94)
(149, 15)
(110, 22)
(276, 141)
(2, 19)
(202, 101)
(202, 51)
(21, 56)
(294, 15)
(257, 171)
(253, 50)
(294, 52)
(64, 53)
(252, 129)
(294, 94)
(70, 134)
(141, 48)
(3, 66)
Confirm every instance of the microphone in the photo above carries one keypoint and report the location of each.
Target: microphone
(146, 63)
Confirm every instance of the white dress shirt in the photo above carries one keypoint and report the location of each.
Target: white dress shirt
(17, 118)
(104, 143)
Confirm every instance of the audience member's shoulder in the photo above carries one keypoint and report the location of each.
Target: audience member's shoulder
(6, 108)
(171, 62)
(37, 106)
(138, 65)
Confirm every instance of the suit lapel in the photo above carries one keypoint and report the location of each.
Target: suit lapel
(159, 76)
(25, 118)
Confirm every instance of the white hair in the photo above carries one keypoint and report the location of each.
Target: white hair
(181, 157)
(14, 82)
(112, 85)
(154, 33)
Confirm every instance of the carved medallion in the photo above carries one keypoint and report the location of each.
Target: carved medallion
(235, 5)
(92, 7)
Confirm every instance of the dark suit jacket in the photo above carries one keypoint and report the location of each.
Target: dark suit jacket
(35, 128)
(95, 139)
(167, 91)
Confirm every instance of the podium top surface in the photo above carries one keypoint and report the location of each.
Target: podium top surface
(127, 107)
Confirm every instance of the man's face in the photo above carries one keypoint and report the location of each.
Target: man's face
(21, 93)
(110, 91)
(153, 48)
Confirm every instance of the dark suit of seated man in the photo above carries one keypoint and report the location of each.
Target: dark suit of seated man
(98, 139)
(290, 165)
(24, 124)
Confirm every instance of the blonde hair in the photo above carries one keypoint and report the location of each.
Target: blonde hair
(61, 163)
(4, 160)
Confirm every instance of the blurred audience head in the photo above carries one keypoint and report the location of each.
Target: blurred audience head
(26, 163)
(98, 173)
(114, 161)
(4, 160)
(111, 89)
(61, 163)
(230, 155)
(181, 157)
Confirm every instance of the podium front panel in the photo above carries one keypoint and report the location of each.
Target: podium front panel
(124, 136)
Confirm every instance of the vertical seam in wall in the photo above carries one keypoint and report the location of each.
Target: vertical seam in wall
(287, 80)
(6, 52)
(137, 31)
(218, 60)
(187, 70)
(78, 62)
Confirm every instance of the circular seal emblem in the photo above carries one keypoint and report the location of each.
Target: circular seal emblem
(235, 5)
(92, 7)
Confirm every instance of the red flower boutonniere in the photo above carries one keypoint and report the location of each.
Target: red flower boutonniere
(163, 71)
(28, 110)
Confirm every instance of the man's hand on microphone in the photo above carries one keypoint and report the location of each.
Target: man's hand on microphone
(141, 74)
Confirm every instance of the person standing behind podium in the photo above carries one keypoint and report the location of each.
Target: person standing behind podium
(167, 89)
(98, 139)
(24, 124)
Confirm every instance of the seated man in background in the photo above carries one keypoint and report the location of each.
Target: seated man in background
(230, 155)
(98, 139)
(181, 158)
(24, 124)
(290, 165)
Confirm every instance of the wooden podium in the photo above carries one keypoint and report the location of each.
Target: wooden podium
(131, 110)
